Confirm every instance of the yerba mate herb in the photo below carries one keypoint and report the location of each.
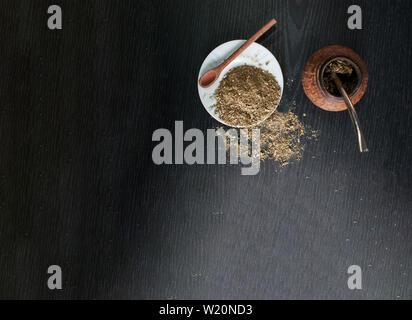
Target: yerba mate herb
(282, 138)
(246, 96)
(345, 72)
(339, 66)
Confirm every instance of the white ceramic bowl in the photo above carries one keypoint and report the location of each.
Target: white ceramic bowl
(256, 55)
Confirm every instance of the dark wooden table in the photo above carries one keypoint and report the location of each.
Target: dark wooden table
(78, 187)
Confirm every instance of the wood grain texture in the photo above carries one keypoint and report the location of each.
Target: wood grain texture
(78, 187)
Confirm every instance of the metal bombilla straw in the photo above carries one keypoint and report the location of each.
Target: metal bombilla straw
(352, 112)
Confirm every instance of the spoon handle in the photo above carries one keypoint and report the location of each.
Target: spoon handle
(256, 36)
(352, 113)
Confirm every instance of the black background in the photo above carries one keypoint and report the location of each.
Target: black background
(78, 187)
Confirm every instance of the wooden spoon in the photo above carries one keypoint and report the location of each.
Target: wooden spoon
(210, 77)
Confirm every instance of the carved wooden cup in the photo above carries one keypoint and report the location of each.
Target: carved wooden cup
(312, 77)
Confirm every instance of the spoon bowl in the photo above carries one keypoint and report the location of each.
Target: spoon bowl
(208, 78)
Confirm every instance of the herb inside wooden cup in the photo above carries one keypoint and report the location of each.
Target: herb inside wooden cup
(346, 73)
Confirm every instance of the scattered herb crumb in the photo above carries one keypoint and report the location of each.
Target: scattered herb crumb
(282, 138)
